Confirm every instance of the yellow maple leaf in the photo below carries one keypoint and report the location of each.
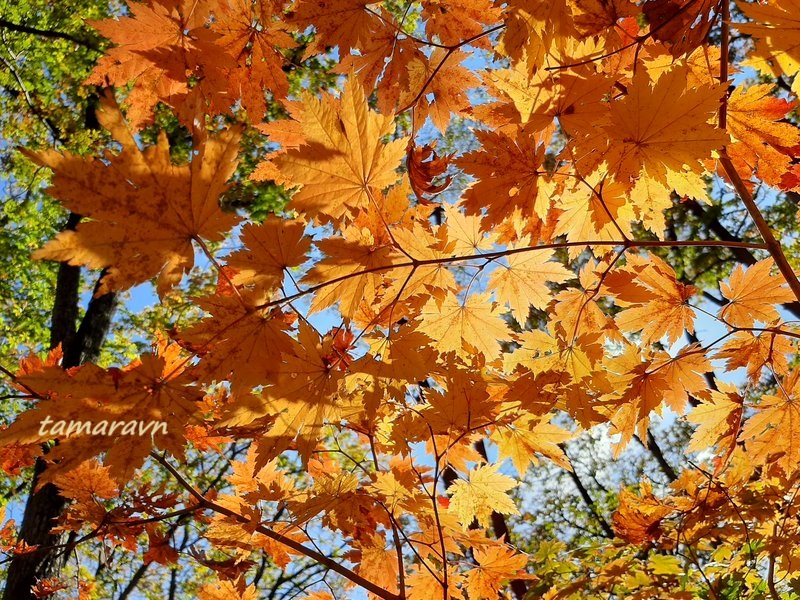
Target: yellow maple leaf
(483, 493)
(226, 590)
(772, 434)
(343, 163)
(661, 308)
(756, 351)
(509, 170)
(122, 412)
(762, 140)
(464, 327)
(145, 210)
(719, 419)
(523, 283)
(776, 28)
(530, 434)
(272, 247)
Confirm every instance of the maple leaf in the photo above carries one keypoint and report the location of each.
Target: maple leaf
(746, 349)
(226, 590)
(424, 165)
(343, 23)
(157, 47)
(660, 305)
(597, 214)
(638, 518)
(466, 231)
(752, 295)
(775, 26)
(272, 247)
(484, 492)
(529, 435)
(661, 129)
(343, 164)
(648, 384)
(231, 340)
(496, 564)
(145, 211)
(772, 433)
(681, 24)
(306, 395)
(762, 142)
(88, 482)
(93, 410)
(464, 327)
(251, 32)
(523, 283)
(575, 98)
(453, 21)
(508, 168)
(441, 77)
(719, 420)
(377, 563)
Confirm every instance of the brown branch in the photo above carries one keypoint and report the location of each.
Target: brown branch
(608, 532)
(773, 246)
(490, 256)
(652, 446)
(273, 535)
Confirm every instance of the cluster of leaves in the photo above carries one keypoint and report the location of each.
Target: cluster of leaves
(599, 116)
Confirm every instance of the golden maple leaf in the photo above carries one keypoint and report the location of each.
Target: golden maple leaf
(763, 142)
(484, 492)
(496, 564)
(343, 163)
(719, 419)
(116, 411)
(776, 28)
(660, 129)
(659, 306)
(523, 283)
(272, 247)
(464, 327)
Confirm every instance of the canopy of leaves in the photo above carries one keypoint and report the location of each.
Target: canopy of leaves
(411, 319)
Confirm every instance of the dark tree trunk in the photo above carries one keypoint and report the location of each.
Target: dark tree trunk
(45, 505)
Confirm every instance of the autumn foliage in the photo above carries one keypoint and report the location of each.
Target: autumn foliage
(413, 307)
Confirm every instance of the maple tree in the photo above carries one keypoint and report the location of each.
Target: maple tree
(487, 255)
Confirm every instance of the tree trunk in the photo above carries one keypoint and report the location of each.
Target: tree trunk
(45, 505)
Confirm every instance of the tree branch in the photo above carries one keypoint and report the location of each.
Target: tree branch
(49, 33)
(274, 535)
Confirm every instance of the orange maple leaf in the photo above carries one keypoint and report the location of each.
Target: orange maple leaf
(509, 169)
(638, 518)
(272, 247)
(523, 283)
(762, 143)
(157, 48)
(752, 295)
(660, 307)
(719, 419)
(145, 211)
